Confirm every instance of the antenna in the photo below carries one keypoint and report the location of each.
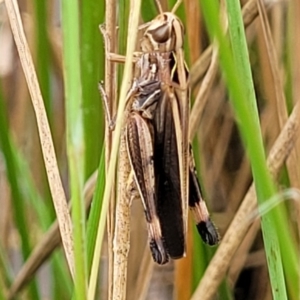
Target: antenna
(176, 6)
(178, 2)
(159, 6)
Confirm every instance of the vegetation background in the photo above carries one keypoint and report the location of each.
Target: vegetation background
(69, 57)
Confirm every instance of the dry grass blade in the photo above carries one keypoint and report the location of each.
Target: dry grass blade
(47, 245)
(273, 62)
(111, 91)
(240, 257)
(220, 150)
(238, 188)
(143, 282)
(40, 253)
(55, 184)
(292, 161)
(295, 8)
(201, 65)
(131, 42)
(235, 233)
(202, 95)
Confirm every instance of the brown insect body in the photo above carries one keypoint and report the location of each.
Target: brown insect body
(157, 143)
(141, 139)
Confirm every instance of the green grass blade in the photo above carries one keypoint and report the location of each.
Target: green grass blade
(237, 74)
(43, 211)
(43, 55)
(148, 10)
(75, 145)
(5, 270)
(123, 23)
(95, 211)
(277, 218)
(18, 202)
(62, 281)
(122, 37)
(92, 70)
(131, 41)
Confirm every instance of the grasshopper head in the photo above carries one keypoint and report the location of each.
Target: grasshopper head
(164, 34)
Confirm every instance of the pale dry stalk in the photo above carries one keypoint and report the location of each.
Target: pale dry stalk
(238, 227)
(57, 192)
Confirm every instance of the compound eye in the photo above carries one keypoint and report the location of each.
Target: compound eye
(161, 34)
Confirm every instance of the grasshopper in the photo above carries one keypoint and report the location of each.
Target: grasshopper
(156, 158)
(166, 176)
(157, 145)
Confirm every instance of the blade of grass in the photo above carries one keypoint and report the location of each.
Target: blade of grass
(276, 217)
(131, 42)
(5, 270)
(111, 89)
(55, 184)
(237, 73)
(43, 54)
(34, 200)
(18, 201)
(148, 10)
(238, 227)
(202, 254)
(44, 219)
(122, 35)
(75, 145)
(48, 243)
(199, 68)
(62, 287)
(294, 42)
(92, 69)
(290, 258)
(95, 212)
